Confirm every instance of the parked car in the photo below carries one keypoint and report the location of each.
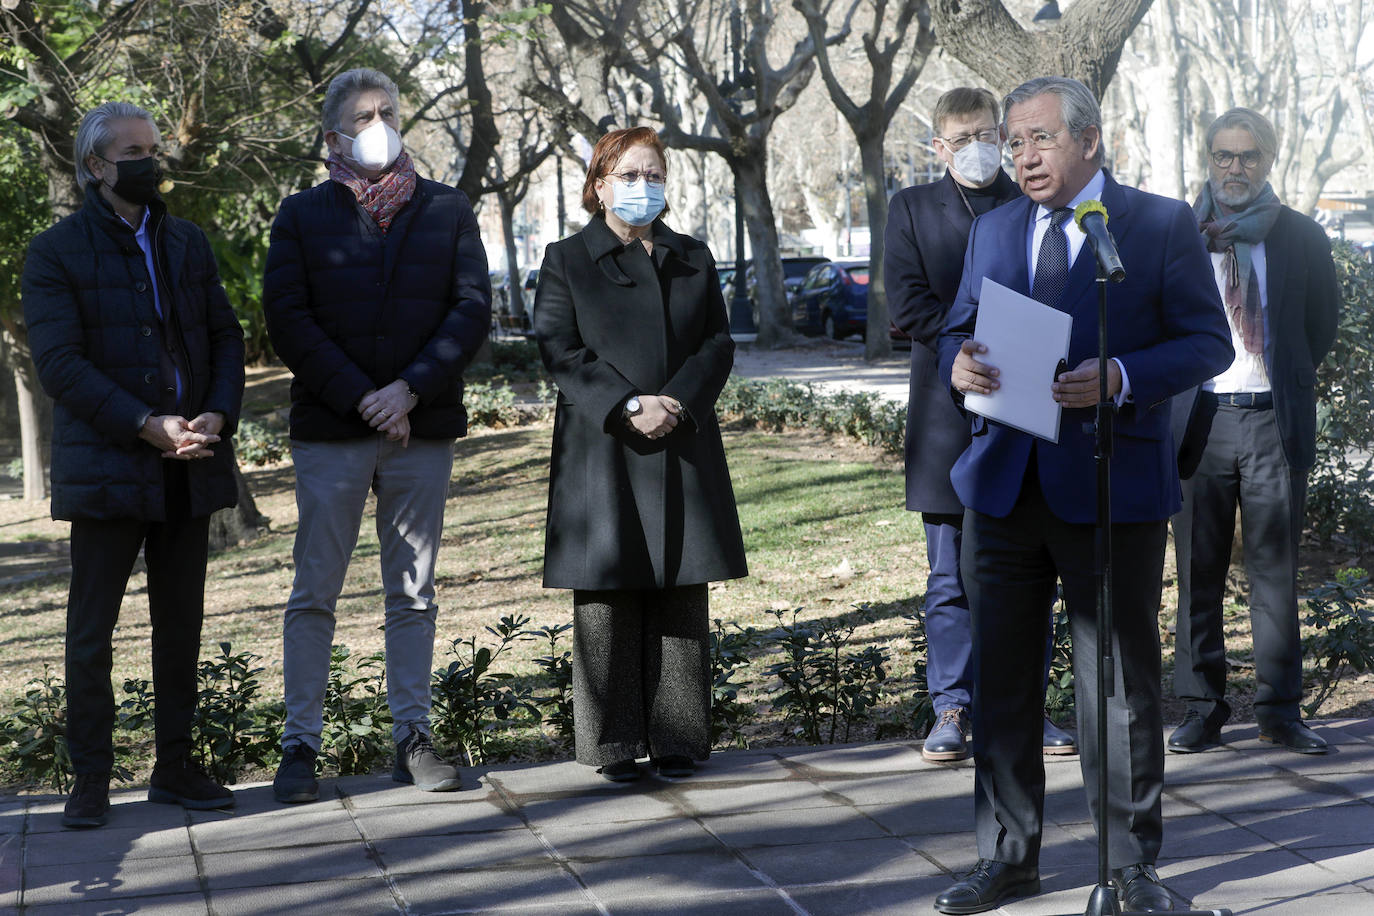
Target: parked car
(794, 271)
(832, 300)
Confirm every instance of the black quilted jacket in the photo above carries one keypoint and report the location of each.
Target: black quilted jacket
(95, 337)
(351, 309)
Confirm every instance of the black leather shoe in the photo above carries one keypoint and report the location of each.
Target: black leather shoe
(1141, 891)
(183, 782)
(1295, 736)
(674, 766)
(1057, 742)
(987, 886)
(620, 771)
(1194, 734)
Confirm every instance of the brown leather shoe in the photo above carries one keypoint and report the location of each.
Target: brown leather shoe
(987, 886)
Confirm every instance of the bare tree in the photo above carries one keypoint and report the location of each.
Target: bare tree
(1086, 43)
(884, 42)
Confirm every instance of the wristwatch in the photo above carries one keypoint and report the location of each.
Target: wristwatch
(632, 406)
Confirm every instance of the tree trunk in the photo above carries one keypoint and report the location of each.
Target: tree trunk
(775, 320)
(1086, 43)
(240, 523)
(517, 299)
(30, 429)
(877, 343)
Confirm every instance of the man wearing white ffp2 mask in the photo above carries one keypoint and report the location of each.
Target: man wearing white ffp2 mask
(375, 147)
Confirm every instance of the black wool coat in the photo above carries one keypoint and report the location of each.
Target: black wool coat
(98, 345)
(350, 308)
(626, 512)
(927, 231)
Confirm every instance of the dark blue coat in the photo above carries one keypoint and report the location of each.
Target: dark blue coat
(1165, 324)
(923, 257)
(350, 309)
(97, 342)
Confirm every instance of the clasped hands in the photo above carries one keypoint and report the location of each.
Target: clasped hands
(1074, 388)
(658, 415)
(388, 410)
(180, 438)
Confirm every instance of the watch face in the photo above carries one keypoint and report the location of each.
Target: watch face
(632, 405)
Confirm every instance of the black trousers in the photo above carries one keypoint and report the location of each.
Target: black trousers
(1243, 465)
(103, 555)
(641, 674)
(1010, 566)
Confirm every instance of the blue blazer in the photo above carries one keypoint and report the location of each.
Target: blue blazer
(1165, 324)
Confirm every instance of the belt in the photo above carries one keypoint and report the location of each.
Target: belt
(1259, 400)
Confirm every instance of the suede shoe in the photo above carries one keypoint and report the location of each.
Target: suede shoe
(1056, 741)
(674, 766)
(418, 762)
(1194, 734)
(1140, 890)
(295, 779)
(987, 886)
(89, 803)
(620, 771)
(1295, 736)
(183, 782)
(948, 738)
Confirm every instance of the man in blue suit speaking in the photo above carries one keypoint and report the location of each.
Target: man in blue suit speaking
(1031, 503)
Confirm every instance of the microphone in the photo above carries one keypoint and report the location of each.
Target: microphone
(1091, 218)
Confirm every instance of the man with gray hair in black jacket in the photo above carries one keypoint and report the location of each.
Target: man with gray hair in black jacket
(134, 339)
(376, 296)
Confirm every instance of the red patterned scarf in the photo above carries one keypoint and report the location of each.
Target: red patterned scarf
(383, 198)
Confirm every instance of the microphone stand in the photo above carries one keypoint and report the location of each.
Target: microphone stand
(1104, 900)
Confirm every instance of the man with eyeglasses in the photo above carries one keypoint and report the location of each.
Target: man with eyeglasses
(1032, 505)
(927, 231)
(1273, 268)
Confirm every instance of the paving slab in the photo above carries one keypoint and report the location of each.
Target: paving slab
(372, 897)
(289, 865)
(861, 759)
(374, 791)
(110, 844)
(316, 824)
(739, 799)
(409, 855)
(753, 902)
(482, 816)
(901, 897)
(628, 838)
(839, 862)
(1297, 830)
(792, 826)
(937, 785)
(71, 884)
(156, 905)
(676, 874)
(513, 889)
(602, 803)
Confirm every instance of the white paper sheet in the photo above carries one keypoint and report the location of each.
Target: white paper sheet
(1026, 340)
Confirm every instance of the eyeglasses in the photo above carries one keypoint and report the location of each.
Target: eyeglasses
(988, 135)
(1039, 139)
(633, 175)
(1222, 158)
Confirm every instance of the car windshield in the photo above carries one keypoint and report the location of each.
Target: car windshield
(795, 269)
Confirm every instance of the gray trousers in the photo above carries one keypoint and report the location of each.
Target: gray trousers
(1243, 465)
(641, 674)
(332, 483)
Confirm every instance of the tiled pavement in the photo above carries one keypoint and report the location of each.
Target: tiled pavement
(859, 829)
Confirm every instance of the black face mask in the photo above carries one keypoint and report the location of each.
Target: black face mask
(137, 179)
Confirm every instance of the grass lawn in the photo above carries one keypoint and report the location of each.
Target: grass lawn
(823, 525)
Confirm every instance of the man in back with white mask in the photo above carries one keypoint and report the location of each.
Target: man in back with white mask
(927, 230)
(376, 296)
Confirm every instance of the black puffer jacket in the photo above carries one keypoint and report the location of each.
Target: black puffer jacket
(97, 341)
(350, 309)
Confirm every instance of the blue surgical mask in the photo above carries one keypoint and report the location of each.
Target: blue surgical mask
(637, 204)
